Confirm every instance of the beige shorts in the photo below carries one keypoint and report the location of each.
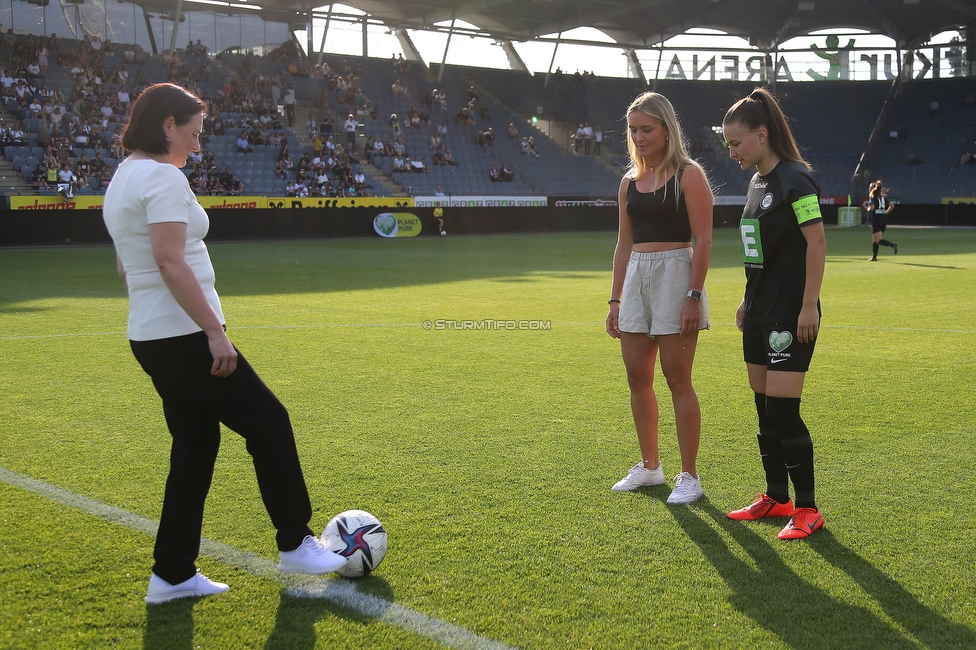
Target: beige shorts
(655, 290)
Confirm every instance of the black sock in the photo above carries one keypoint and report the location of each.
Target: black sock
(797, 447)
(875, 246)
(885, 242)
(771, 453)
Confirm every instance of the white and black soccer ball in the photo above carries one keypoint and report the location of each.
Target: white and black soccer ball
(443, 233)
(359, 536)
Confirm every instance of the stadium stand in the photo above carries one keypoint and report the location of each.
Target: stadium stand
(938, 140)
(832, 122)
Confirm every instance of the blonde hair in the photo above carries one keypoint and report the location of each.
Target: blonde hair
(657, 107)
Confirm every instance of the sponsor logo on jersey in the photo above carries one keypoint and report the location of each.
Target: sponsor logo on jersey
(767, 200)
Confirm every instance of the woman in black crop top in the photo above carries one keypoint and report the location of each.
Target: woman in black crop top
(657, 299)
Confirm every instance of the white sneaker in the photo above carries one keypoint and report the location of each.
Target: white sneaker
(312, 558)
(161, 591)
(640, 476)
(687, 489)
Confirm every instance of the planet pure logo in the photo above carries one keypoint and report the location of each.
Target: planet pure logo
(396, 224)
(385, 225)
(779, 341)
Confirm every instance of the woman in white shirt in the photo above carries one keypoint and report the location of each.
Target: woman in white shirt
(176, 332)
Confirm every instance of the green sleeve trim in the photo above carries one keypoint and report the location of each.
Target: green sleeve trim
(807, 208)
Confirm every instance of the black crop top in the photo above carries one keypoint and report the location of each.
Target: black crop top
(655, 216)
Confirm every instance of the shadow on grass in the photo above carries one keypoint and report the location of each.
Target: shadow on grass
(802, 615)
(929, 266)
(340, 265)
(169, 625)
(297, 616)
(932, 630)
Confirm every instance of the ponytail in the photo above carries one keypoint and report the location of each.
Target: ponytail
(759, 109)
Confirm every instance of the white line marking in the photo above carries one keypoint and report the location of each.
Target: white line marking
(339, 591)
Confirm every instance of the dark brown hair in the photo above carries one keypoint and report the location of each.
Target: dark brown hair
(760, 108)
(144, 132)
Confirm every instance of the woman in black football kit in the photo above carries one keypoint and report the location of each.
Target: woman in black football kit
(657, 295)
(784, 249)
(879, 206)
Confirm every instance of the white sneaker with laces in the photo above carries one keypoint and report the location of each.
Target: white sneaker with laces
(687, 489)
(161, 591)
(640, 476)
(312, 558)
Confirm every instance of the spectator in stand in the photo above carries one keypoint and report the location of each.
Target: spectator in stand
(97, 164)
(117, 150)
(912, 159)
(39, 176)
(359, 182)
(435, 142)
(233, 186)
(242, 143)
(506, 174)
(104, 178)
(933, 108)
(399, 164)
(493, 173)
(597, 140)
(587, 138)
(486, 139)
(578, 140)
(449, 158)
(512, 131)
(83, 170)
(524, 145)
(350, 125)
(532, 149)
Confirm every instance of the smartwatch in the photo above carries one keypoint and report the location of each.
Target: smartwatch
(695, 295)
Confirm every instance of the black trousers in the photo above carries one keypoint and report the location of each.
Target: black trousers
(195, 403)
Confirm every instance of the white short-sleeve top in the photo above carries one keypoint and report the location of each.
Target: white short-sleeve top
(143, 192)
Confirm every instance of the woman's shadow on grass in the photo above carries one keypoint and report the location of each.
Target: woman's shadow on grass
(297, 615)
(800, 613)
(171, 625)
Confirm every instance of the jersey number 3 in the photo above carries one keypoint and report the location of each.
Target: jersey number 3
(752, 252)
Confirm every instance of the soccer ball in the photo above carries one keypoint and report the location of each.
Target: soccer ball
(443, 234)
(359, 536)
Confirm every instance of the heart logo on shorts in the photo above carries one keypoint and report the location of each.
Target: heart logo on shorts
(779, 341)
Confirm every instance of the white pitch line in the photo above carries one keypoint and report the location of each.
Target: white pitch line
(341, 592)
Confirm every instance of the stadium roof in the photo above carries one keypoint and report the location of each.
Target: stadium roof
(646, 23)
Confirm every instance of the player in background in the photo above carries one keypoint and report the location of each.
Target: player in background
(784, 249)
(657, 296)
(880, 208)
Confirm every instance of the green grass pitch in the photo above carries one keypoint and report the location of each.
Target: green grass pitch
(489, 454)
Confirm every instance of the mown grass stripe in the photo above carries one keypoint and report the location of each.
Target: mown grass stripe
(916, 330)
(340, 592)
